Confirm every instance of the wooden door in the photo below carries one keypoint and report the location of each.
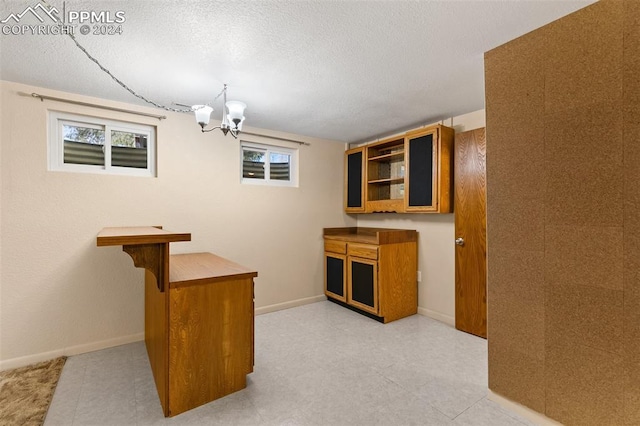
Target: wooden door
(470, 206)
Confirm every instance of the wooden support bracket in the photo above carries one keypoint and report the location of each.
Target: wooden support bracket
(150, 257)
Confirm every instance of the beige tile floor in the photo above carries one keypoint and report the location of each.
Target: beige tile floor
(317, 364)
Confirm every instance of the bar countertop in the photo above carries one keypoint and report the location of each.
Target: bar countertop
(204, 268)
(131, 235)
(370, 235)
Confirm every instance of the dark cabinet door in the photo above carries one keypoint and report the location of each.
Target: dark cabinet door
(335, 276)
(421, 173)
(354, 180)
(363, 284)
(429, 170)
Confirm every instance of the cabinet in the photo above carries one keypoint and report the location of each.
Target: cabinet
(363, 284)
(372, 271)
(429, 168)
(335, 267)
(410, 173)
(354, 180)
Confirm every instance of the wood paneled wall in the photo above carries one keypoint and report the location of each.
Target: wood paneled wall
(563, 216)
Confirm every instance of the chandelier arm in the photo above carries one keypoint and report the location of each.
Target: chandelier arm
(211, 129)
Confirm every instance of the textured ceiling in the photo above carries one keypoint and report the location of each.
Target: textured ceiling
(342, 70)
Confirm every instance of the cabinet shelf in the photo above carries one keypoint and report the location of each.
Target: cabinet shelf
(387, 156)
(390, 180)
(385, 173)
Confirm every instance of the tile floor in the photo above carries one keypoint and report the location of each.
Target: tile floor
(317, 364)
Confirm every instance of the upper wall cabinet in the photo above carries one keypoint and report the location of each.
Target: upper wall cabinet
(354, 180)
(429, 170)
(405, 174)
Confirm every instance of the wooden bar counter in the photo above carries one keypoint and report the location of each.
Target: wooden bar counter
(199, 318)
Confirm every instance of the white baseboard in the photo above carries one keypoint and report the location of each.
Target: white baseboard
(72, 350)
(291, 304)
(521, 410)
(437, 316)
(104, 344)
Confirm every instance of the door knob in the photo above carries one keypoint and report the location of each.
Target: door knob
(460, 241)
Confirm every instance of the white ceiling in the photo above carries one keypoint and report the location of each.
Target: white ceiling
(342, 70)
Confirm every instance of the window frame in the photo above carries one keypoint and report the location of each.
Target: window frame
(268, 150)
(55, 143)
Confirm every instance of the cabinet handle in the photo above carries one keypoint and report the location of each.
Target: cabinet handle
(460, 241)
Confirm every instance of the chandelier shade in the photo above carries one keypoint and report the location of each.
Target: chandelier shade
(236, 111)
(203, 114)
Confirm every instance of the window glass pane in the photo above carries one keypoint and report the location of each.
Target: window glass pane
(83, 145)
(280, 166)
(253, 163)
(128, 149)
(270, 165)
(97, 145)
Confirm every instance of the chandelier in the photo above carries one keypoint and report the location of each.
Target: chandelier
(232, 115)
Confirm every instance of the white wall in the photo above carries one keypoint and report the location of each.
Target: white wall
(436, 254)
(60, 294)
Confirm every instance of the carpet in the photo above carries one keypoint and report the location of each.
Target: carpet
(26, 392)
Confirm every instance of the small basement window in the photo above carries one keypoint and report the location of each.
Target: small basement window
(268, 165)
(94, 145)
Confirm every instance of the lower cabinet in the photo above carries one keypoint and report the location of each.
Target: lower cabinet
(336, 276)
(375, 276)
(363, 284)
